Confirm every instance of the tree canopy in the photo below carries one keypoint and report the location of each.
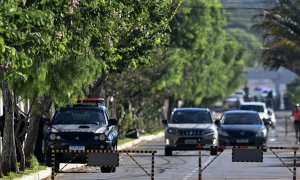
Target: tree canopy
(281, 35)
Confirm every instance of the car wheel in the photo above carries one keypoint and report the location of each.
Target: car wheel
(213, 151)
(168, 151)
(110, 169)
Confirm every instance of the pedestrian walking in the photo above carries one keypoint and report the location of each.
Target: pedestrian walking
(296, 117)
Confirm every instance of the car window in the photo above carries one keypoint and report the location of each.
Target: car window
(190, 117)
(241, 118)
(257, 108)
(79, 116)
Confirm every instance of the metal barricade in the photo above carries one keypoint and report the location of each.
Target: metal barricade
(248, 154)
(109, 154)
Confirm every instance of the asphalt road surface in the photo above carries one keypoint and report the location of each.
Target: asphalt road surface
(183, 165)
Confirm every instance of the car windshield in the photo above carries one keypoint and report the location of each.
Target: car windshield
(191, 117)
(79, 116)
(256, 108)
(241, 118)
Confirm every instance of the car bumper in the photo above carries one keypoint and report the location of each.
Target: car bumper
(249, 141)
(67, 156)
(175, 142)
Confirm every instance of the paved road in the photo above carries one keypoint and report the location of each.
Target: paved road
(184, 165)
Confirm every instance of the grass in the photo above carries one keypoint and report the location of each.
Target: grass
(36, 167)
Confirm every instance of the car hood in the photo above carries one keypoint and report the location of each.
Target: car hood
(191, 126)
(92, 128)
(243, 127)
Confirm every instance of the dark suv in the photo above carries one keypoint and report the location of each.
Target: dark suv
(82, 126)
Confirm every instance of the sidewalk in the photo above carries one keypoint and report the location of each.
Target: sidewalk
(46, 173)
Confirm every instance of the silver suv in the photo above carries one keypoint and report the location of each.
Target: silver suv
(189, 127)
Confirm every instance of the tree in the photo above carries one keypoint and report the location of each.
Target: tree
(250, 43)
(281, 35)
(198, 34)
(20, 28)
(196, 66)
(89, 38)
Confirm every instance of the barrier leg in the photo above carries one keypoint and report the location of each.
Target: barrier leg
(200, 166)
(152, 167)
(295, 164)
(52, 163)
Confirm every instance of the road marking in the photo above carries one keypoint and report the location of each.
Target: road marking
(188, 176)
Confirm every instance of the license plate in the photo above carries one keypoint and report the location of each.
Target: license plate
(190, 141)
(242, 140)
(76, 148)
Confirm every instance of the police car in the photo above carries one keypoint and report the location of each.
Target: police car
(83, 126)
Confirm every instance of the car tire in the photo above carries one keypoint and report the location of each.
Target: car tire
(213, 151)
(168, 151)
(110, 169)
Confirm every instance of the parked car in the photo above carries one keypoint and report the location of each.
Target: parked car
(82, 126)
(241, 127)
(189, 127)
(262, 110)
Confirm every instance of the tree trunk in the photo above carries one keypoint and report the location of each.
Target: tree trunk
(40, 108)
(19, 133)
(9, 162)
(171, 106)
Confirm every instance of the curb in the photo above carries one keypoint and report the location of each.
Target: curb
(46, 173)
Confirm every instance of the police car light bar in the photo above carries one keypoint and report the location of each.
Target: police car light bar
(94, 101)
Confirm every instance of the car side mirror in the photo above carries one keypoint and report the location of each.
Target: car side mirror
(112, 122)
(46, 121)
(165, 121)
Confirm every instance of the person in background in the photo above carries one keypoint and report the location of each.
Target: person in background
(296, 117)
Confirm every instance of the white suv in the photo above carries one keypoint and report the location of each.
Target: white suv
(188, 128)
(262, 110)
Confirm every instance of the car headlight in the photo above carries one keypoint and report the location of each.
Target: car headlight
(172, 130)
(223, 133)
(52, 137)
(102, 137)
(58, 137)
(261, 133)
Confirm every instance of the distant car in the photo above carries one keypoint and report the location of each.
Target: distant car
(232, 102)
(189, 127)
(262, 110)
(82, 126)
(241, 127)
